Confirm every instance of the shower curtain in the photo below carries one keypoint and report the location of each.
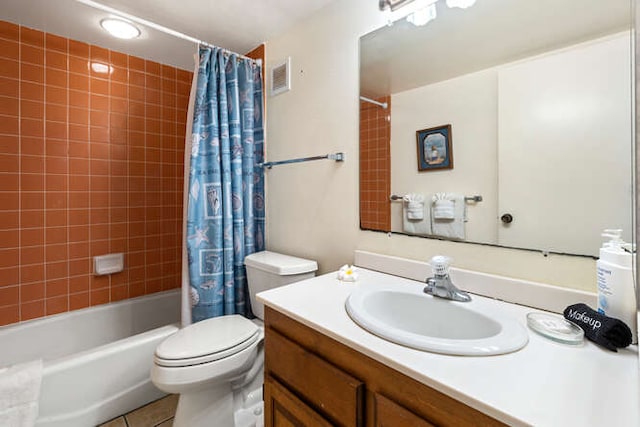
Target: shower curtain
(225, 192)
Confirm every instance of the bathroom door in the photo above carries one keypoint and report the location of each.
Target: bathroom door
(564, 147)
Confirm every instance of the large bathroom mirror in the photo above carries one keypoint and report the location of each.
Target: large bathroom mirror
(531, 104)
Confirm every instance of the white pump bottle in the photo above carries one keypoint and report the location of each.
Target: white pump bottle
(616, 290)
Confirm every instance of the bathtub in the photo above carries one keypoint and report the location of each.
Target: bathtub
(96, 360)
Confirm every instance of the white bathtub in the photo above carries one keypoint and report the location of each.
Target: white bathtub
(96, 360)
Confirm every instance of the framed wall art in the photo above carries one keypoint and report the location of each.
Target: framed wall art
(434, 148)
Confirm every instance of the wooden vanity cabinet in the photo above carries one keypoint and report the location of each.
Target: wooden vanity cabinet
(285, 409)
(319, 385)
(388, 413)
(313, 380)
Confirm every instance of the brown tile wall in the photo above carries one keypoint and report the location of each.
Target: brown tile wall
(91, 162)
(375, 165)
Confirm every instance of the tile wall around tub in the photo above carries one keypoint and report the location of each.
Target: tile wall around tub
(91, 162)
(375, 165)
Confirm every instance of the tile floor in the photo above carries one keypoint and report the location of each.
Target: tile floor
(155, 414)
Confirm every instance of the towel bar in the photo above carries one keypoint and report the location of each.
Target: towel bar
(338, 157)
(477, 198)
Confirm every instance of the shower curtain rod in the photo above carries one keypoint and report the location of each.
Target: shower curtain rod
(373, 101)
(160, 28)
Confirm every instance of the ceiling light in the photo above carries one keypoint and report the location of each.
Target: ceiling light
(462, 4)
(423, 16)
(120, 28)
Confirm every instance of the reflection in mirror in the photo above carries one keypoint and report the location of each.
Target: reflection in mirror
(538, 99)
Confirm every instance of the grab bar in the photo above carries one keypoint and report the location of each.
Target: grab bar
(338, 157)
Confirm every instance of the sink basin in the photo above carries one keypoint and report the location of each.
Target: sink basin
(415, 319)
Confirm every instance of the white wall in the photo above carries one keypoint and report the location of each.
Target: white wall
(312, 208)
(469, 105)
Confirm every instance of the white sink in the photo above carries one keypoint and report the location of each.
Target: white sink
(415, 319)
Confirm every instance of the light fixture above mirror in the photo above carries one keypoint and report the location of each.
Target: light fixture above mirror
(423, 15)
(462, 4)
(394, 5)
(418, 12)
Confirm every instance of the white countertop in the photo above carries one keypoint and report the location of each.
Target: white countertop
(544, 384)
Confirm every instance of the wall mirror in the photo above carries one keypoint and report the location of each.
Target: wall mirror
(537, 97)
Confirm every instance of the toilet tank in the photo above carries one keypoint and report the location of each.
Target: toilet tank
(268, 270)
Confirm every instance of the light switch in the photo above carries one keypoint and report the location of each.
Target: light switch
(108, 264)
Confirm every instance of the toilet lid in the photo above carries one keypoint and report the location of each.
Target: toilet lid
(207, 340)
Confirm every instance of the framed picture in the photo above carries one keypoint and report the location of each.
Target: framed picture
(434, 148)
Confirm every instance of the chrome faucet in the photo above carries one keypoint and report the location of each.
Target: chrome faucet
(440, 284)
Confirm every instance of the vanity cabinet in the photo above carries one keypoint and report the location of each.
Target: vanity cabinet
(319, 386)
(285, 409)
(388, 413)
(313, 380)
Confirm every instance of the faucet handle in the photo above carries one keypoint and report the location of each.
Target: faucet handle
(440, 265)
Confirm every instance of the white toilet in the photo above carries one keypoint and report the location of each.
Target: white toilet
(216, 365)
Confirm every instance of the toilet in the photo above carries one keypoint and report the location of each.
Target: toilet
(216, 365)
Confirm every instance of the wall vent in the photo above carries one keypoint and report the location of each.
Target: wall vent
(281, 77)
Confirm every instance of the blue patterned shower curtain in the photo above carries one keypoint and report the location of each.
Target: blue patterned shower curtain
(225, 209)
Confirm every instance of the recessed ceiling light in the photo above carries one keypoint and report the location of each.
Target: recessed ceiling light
(120, 28)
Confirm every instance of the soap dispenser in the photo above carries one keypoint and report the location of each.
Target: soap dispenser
(616, 291)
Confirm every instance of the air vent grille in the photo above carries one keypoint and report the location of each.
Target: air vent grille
(281, 77)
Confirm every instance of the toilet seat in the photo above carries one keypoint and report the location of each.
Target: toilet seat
(207, 341)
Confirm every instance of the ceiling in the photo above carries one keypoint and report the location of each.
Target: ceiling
(236, 25)
(460, 41)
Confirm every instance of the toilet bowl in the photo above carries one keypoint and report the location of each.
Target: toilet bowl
(216, 365)
(206, 364)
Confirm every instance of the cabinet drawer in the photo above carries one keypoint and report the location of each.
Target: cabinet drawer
(390, 414)
(282, 408)
(329, 390)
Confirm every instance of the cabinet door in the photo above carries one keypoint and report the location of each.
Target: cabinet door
(334, 393)
(283, 409)
(390, 414)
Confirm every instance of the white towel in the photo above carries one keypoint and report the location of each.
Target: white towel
(444, 209)
(19, 394)
(443, 224)
(418, 221)
(414, 206)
